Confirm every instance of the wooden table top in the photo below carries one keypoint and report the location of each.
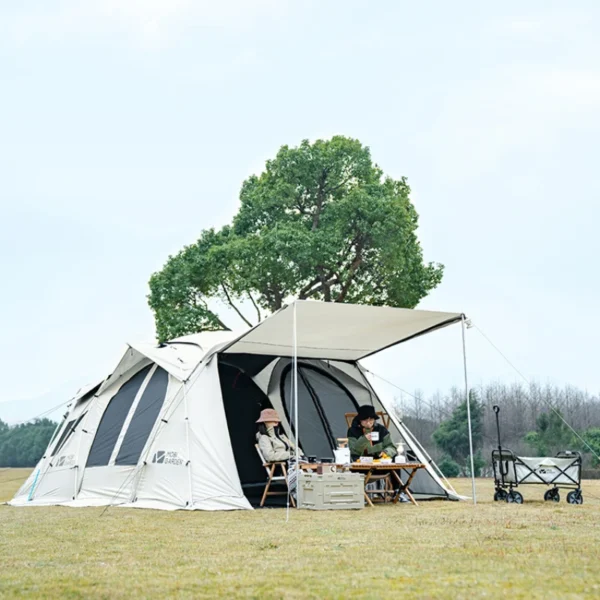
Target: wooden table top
(386, 466)
(367, 466)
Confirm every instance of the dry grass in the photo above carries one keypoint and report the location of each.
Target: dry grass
(436, 550)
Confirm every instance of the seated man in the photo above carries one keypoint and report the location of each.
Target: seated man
(368, 438)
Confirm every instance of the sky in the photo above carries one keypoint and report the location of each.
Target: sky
(128, 126)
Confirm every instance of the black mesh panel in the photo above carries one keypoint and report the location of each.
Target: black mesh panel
(112, 420)
(143, 419)
(334, 399)
(313, 436)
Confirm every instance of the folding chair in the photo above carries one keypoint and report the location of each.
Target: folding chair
(271, 468)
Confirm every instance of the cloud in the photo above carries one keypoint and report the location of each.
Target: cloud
(146, 21)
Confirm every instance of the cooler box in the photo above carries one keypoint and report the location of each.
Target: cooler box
(331, 491)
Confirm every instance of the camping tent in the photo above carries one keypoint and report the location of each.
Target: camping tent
(173, 426)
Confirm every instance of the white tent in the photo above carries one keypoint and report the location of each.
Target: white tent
(173, 426)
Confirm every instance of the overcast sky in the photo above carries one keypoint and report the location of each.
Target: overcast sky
(128, 126)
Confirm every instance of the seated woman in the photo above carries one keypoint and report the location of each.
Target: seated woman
(368, 438)
(272, 441)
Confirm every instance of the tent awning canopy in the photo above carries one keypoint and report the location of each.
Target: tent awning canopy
(333, 331)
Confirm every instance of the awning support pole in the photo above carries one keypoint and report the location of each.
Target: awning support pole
(296, 387)
(468, 409)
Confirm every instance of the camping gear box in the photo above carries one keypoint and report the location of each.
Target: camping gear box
(331, 491)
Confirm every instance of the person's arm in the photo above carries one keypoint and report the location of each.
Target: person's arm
(266, 447)
(359, 445)
(389, 447)
(289, 442)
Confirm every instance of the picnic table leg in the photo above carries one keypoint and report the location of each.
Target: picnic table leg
(396, 497)
(367, 477)
(403, 487)
(406, 490)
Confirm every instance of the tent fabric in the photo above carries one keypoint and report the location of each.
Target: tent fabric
(327, 330)
(173, 425)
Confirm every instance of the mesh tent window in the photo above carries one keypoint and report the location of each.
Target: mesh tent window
(143, 419)
(322, 404)
(113, 419)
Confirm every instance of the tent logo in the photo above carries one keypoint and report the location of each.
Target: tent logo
(545, 470)
(66, 461)
(166, 457)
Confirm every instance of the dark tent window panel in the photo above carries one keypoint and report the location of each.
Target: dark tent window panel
(113, 418)
(334, 399)
(144, 418)
(322, 404)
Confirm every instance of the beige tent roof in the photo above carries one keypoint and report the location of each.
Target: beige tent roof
(338, 331)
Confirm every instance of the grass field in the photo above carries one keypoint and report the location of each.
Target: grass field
(437, 550)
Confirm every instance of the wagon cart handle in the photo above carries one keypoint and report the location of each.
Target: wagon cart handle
(496, 409)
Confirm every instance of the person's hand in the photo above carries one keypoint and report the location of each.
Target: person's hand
(368, 436)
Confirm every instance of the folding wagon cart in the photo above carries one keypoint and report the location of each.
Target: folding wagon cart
(562, 471)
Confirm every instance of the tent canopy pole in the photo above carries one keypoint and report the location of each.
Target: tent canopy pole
(296, 384)
(464, 345)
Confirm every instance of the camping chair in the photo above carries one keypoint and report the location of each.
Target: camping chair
(385, 418)
(271, 468)
(377, 491)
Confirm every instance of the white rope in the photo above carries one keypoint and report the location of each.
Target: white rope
(544, 399)
(41, 415)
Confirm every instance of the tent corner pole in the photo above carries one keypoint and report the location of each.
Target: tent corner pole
(464, 345)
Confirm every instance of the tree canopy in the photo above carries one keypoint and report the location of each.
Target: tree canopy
(321, 222)
(23, 445)
(452, 435)
(552, 435)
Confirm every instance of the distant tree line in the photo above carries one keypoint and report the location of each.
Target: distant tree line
(532, 423)
(23, 445)
(530, 419)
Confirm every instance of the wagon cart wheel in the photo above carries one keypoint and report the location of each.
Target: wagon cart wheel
(552, 495)
(575, 497)
(515, 497)
(500, 495)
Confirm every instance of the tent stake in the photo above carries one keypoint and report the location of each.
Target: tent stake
(468, 409)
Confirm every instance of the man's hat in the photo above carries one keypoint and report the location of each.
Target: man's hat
(366, 411)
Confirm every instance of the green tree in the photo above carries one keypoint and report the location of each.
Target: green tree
(448, 467)
(592, 439)
(452, 435)
(321, 222)
(551, 435)
(23, 445)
